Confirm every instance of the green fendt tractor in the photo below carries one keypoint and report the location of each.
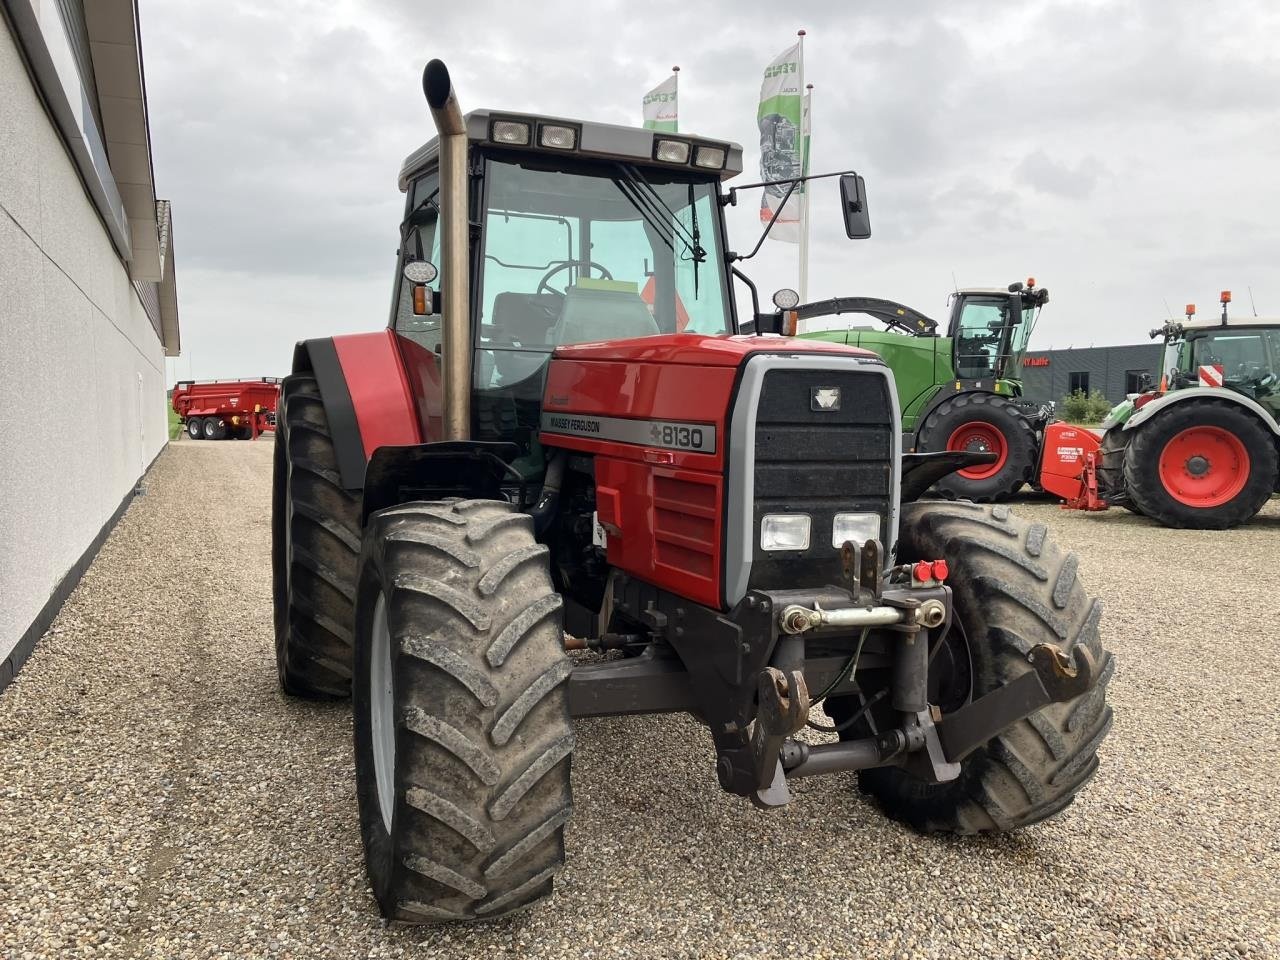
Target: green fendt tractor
(962, 391)
(1202, 450)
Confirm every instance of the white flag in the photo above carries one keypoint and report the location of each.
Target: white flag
(783, 141)
(660, 106)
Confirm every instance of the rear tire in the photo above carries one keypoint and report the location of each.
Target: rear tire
(195, 428)
(460, 701)
(1013, 588)
(315, 545)
(1240, 463)
(1111, 469)
(992, 422)
(215, 428)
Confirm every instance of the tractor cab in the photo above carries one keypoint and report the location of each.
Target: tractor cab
(990, 329)
(575, 235)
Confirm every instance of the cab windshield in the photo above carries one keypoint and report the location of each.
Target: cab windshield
(1249, 360)
(592, 252)
(980, 338)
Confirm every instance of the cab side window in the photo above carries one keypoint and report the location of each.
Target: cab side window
(419, 240)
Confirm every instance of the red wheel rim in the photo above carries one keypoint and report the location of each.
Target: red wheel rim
(980, 436)
(1204, 467)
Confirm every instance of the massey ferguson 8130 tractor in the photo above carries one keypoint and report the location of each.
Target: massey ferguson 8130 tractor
(961, 390)
(1200, 450)
(566, 440)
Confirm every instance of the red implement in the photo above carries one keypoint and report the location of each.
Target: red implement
(214, 409)
(1070, 466)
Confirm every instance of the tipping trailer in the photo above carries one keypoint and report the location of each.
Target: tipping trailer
(567, 438)
(226, 409)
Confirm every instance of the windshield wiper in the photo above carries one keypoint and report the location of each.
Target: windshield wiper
(644, 190)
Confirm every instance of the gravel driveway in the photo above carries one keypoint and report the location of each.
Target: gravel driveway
(160, 798)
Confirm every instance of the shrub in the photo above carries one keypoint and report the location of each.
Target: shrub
(1080, 407)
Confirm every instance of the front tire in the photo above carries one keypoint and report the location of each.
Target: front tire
(460, 701)
(315, 545)
(1013, 588)
(1202, 464)
(982, 421)
(215, 428)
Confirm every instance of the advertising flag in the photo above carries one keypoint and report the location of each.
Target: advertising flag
(660, 106)
(782, 118)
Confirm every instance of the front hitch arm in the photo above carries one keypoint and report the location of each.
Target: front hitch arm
(1053, 678)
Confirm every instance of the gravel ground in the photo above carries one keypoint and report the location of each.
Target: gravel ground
(160, 798)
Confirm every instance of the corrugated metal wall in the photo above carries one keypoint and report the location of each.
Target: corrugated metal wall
(1105, 368)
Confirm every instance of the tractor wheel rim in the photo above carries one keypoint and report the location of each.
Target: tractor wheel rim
(983, 436)
(381, 712)
(1204, 467)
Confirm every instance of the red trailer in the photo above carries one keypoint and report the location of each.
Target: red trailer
(227, 409)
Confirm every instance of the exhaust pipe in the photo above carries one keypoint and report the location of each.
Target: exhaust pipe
(454, 282)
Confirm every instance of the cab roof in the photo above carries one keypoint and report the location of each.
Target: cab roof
(602, 140)
(1207, 322)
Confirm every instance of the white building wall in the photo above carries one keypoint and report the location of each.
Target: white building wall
(77, 426)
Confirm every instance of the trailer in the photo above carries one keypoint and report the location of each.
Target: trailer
(226, 409)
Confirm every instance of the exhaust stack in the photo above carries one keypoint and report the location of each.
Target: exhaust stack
(454, 288)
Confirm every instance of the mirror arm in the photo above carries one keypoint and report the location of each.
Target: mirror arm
(755, 296)
(769, 226)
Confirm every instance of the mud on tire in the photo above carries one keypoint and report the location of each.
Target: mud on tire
(315, 543)
(1013, 588)
(997, 412)
(478, 709)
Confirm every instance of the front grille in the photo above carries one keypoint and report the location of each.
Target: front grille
(820, 462)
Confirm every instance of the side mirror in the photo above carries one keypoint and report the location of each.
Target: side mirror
(853, 205)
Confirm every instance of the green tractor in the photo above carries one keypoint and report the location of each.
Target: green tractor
(1202, 449)
(962, 391)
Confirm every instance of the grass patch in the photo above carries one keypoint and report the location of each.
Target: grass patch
(175, 425)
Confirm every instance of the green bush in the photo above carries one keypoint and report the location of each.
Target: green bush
(1080, 407)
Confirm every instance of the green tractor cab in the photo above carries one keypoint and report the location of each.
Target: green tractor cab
(961, 390)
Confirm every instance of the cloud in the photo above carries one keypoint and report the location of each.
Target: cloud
(1121, 151)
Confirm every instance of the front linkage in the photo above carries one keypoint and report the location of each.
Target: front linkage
(751, 674)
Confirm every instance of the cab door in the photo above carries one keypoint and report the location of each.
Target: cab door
(420, 338)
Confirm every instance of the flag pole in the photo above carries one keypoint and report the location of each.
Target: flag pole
(806, 124)
(804, 211)
(675, 74)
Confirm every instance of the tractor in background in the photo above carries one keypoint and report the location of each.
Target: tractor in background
(565, 438)
(1201, 449)
(961, 391)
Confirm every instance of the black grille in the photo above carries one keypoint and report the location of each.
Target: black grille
(819, 462)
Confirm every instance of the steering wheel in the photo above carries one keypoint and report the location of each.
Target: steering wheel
(565, 265)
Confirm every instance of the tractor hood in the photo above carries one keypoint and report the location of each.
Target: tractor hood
(703, 351)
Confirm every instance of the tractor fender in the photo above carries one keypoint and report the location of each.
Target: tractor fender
(366, 397)
(469, 469)
(1203, 393)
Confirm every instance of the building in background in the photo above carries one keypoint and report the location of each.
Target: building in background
(1114, 371)
(88, 305)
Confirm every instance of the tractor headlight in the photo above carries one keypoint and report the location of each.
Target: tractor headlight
(557, 137)
(671, 151)
(511, 131)
(710, 157)
(784, 531)
(858, 527)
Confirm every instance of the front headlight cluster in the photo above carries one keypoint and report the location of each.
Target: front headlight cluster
(790, 531)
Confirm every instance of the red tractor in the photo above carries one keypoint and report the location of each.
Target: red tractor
(226, 409)
(567, 439)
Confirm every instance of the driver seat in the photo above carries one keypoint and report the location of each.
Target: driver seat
(603, 310)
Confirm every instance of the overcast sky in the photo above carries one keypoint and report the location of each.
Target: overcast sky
(1122, 152)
